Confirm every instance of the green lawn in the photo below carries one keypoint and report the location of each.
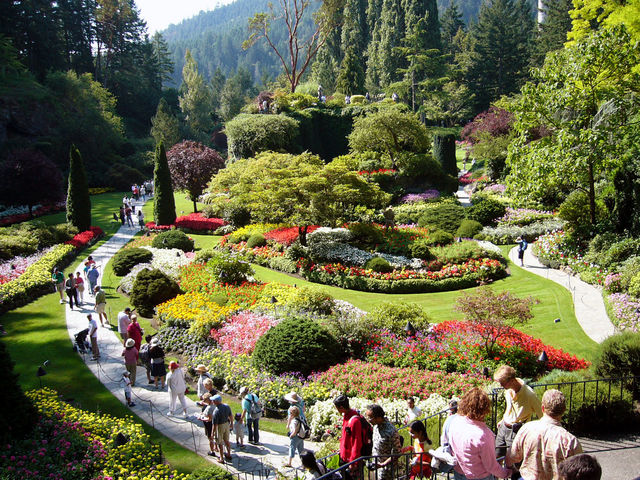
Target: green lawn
(184, 206)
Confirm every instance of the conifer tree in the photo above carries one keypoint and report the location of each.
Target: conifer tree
(351, 76)
(164, 125)
(391, 33)
(195, 101)
(164, 205)
(78, 201)
(553, 30)
(450, 23)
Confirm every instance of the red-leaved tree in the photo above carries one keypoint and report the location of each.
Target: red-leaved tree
(28, 177)
(192, 165)
(497, 122)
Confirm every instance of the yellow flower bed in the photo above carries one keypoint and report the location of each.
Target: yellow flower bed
(244, 233)
(196, 311)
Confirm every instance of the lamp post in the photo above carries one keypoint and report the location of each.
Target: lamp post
(543, 359)
(273, 301)
(41, 371)
(409, 329)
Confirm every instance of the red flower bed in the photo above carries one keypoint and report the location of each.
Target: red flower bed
(82, 239)
(195, 221)
(287, 235)
(153, 226)
(38, 212)
(372, 380)
(383, 171)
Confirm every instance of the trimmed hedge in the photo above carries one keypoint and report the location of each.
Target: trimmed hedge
(323, 131)
(250, 134)
(124, 260)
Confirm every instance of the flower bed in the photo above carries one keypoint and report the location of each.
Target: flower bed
(420, 197)
(626, 311)
(36, 279)
(21, 214)
(12, 269)
(195, 221)
(506, 234)
(82, 239)
(524, 216)
(242, 330)
(158, 228)
(195, 311)
(287, 235)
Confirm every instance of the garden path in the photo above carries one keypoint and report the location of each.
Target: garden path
(587, 299)
(152, 405)
(463, 196)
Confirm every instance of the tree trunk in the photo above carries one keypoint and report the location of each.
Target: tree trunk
(302, 232)
(195, 207)
(592, 196)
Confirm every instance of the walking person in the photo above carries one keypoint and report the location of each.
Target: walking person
(92, 276)
(130, 354)
(80, 287)
(203, 375)
(352, 437)
(127, 389)
(141, 219)
(134, 331)
(70, 289)
(128, 212)
(158, 368)
(93, 337)
(222, 419)
(238, 430)
(101, 305)
(522, 246)
(296, 400)
(177, 387)
(124, 319)
(296, 434)
(144, 357)
(121, 214)
(251, 413)
(207, 420)
(386, 442)
(57, 277)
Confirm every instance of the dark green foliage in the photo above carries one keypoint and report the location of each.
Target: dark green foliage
(626, 182)
(78, 202)
(236, 215)
(447, 217)
(365, 234)
(27, 238)
(468, 228)
(323, 131)
(575, 212)
(444, 152)
(296, 345)
(421, 170)
(213, 472)
(228, 268)
(256, 240)
(393, 317)
(619, 355)
(173, 239)
(17, 414)
(486, 211)
(151, 288)
(420, 249)
(617, 253)
(553, 30)
(378, 264)
(124, 260)
(121, 176)
(164, 205)
(251, 134)
(439, 237)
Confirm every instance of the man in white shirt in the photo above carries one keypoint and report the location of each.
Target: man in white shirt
(93, 336)
(124, 319)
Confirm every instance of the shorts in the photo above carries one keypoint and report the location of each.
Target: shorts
(208, 427)
(520, 254)
(222, 432)
(158, 370)
(60, 287)
(100, 308)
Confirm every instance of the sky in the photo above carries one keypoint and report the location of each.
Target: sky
(159, 14)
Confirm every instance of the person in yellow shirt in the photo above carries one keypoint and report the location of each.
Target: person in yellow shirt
(521, 404)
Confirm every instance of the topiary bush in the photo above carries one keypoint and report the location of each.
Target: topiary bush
(78, 201)
(365, 234)
(469, 228)
(486, 211)
(439, 238)
(256, 240)
(420, 249)
(124, 260)
(378, 264)
(228, 268)
(297, 344)
(173, 239)
(164, 204)
(447, 217)
(236, 215)
(444, 151)
(394, 317)
(151, 288)
(251, 134)
(619, 355)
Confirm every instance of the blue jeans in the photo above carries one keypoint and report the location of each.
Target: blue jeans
(252, 427)
(295, 443)
(460, 476)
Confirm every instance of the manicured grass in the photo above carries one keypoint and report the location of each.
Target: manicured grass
(555, 302)
(37, 332)
(184, 206)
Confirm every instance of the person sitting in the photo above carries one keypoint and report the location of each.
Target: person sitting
(421, 462)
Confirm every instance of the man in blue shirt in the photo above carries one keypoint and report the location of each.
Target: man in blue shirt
(252, 419)
(221, 419)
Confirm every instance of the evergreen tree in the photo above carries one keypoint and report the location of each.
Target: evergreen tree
(78, 201)
(17, 414)
(195, 100)
(164, 125)
(450, 23)
(427, 10)
(391, 33)
(444, 151)
(164, 205)
(162, 57)
(217, 82)
(351, 75)
(552, 34)
(501, 47)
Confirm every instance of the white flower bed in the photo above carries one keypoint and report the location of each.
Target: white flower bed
(168, 261)
(323, 415)
(350, 255)
(489, 247)
(347, 311)
(329, 235)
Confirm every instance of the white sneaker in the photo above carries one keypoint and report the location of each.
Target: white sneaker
(62, 302)
(169, 414)
(184, 415)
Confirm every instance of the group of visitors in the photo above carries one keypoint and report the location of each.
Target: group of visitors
(522, 449)
(74, 286)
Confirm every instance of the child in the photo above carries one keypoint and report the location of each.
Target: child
(238, 429)
(127, 388)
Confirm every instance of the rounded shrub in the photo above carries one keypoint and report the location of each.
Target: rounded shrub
(228, 268)
(236, 215)
(469, 228)
(151, 288)
(394, 317)
(313, 300)
(173, 239)
(420, 249)
(439, 237)
(634, 286)
(619, 355)
(378, 264)
(256, 240)
(124, 260)
(297, 344)
(365, 234)
(203, 256)
(486, 211)
(447, 217)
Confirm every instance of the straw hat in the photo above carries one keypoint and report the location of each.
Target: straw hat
(292, 397)
(201, 369)
(519, 239)
(173, 365)
(129, 343)
(243, 390)
(154, 341)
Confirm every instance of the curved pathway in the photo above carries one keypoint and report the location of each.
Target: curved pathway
(152, 405)
(587, 299)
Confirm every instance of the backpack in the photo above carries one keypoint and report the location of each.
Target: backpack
(367, 437)
(255, 412)
(305, 431)
(144, 353)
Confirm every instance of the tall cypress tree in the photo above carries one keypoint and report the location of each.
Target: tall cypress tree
(351, 76)
(164, 205)
(450, 23)
(78, 201)
(391, 34)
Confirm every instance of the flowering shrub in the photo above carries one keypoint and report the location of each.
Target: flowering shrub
(626, 311)
(287, 235)
(243, 234)
(138, 458)
(241, 331)
(36, 279)
(398, 240)
(329, 235)
(612, 283)
(420, 197)
(374, 380)
(524, 216)
(83, 239)
(196, 311)
(13, 215)
(195, 221)
(12, 269)
(495, 188)
(168, 261)
(158, 228)
(180, 341)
